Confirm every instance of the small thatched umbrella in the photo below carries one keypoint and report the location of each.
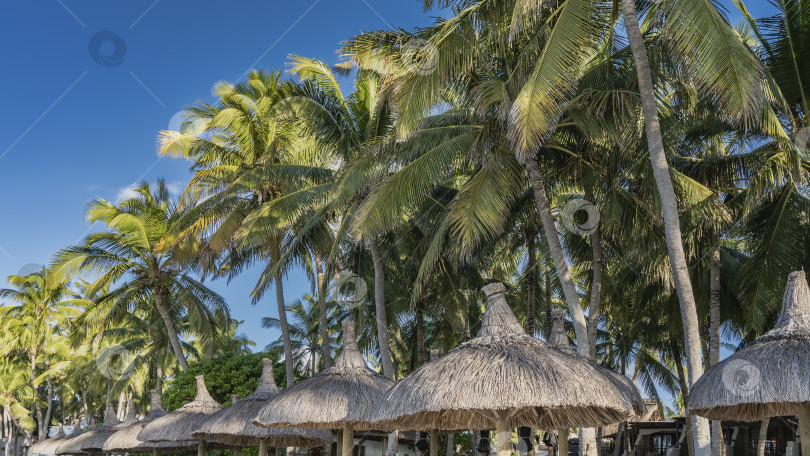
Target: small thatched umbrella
(48, 446)
(770, 377)
(340, 397)
(233, 425)
(126, 440)
(504, 378)
(92, 441)
(175, 428)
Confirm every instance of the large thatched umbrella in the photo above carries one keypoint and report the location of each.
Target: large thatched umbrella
(504, 378)
(340, 397)
(175, 428)
(48, 446)
(92, 441)
(233, 425)
(770, 377)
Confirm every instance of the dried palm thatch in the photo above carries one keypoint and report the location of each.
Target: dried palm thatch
(48, 446)
(92, 441)
(175, 428)
(233, 425)
(503, 378)
(340, 396)
(770, 377)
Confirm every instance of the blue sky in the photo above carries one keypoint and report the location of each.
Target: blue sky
(72, 129)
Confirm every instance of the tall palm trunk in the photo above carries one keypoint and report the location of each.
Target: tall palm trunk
(326, 345)
(718, 446)
(548, 302)
(763, 436)
(531, 278)
(420, 333)
(285, 331)
(174, 340)
(49, 408)
(669, 205)
(558, 256)
(596, 290)
(379, 304)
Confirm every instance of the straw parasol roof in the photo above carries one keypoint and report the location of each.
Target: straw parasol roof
(92, 441)
(48, 446)
(770, 377)
(340, 396)
(505, 377)
(233, 425)
(175, 428)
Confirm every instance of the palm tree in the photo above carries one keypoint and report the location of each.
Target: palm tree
(15, 389)
(243, 157)
(32, 325)
(131, 255)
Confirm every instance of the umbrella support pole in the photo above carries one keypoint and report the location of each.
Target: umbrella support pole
(237, 452)
(279, 451)
(201, 448)
(262, 447)
(804, 428)
(347, 440)
(154, 452)
(503, 438)
(562, 442)
(434, 443)
(385, 445)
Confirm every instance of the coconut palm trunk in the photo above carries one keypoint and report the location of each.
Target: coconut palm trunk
(174, 340)
(669, 205)
(531, 278)
(558, 256)
(763, 436)
(420, 333)
(379, 304)
(596, 290)
(718, 446)
(285, 331)
(326, 346)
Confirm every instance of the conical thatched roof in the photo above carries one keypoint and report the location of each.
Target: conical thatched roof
(503, 374)
(341, 395)
(233, 425)
(176, 427)
(48, 446)
(126, 438)
(770, 377)
(92, 441)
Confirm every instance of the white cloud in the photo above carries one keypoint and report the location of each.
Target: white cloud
(126, 193)
(175, 188)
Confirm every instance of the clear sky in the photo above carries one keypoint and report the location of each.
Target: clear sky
(74, 128)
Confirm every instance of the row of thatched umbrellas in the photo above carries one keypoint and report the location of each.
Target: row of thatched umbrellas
(501, 379)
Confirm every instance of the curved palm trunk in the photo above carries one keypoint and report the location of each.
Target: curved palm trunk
(596, 290)
(763, 436)
(669, 204)
(326, 345)
(174, 340)
(379, 303)
(547, 329)
(420, 334)
(558, 256)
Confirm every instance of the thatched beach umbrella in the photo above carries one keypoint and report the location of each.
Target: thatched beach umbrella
(340, 397)
(504, 378)
(175, 428)
(91, 441)
(233, 425)
(48, 446)
(770, 377)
